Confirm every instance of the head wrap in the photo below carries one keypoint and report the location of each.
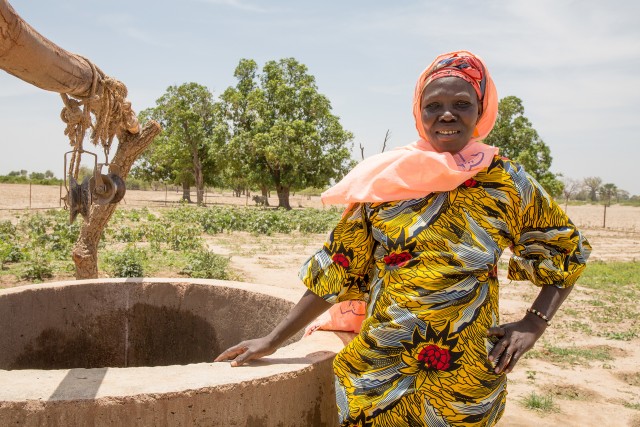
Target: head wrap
(417, 169)
(467, 68)
(471, 68)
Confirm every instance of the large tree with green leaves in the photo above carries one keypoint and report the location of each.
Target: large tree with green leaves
(187, 152)
(284, 133)
(518, 140)
(243, 168)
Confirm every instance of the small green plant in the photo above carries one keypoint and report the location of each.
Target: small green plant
(5, 252)
(540, 403)
(531, 375)
(622, 336)
(128, 263)
(577, 355)
(632, 405)
(207, 265)
(7, 228)
(37, 267)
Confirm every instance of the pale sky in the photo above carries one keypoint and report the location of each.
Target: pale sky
(575, 65)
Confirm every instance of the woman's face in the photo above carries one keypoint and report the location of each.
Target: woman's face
(449, 113)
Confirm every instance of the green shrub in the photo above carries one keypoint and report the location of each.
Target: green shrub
(182, 237)
(540, 403)
(127, 234)
(63, 235)
(207, 265)
(37, 266)
(36, 228)
(7, 229)
(15, 253)
(5, 251)
(128, 263)
(218, 219)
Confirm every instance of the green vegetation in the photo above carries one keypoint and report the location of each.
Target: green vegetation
(542, 403)
(576, 355)
(518, 140)
(36, 246)
(272, 130)
(128, 263)
(601, 275)
(610, 309)
(632, 405)
(283, 133)
(207, 265)
(188, 151)
(24, 177)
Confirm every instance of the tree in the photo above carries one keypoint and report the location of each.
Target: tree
(570, 187)
(593, 184)
(284, 134)
(36, 176)
(607, 191)
(243, 169)
(518, 140)
(186, 152)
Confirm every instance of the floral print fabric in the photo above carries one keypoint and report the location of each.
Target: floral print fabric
(427, 270)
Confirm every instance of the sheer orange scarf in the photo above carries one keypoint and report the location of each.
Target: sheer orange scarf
(416, 170)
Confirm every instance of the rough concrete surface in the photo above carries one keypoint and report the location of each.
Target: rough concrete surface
(138, 352)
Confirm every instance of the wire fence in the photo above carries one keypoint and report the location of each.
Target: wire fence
(18, 197)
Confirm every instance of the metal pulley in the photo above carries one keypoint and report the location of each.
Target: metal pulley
(101, 189)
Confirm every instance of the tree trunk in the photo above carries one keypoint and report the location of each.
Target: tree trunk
(186, 192)
(283, 197)
(85, 251)
(265, 194)
(197, 172)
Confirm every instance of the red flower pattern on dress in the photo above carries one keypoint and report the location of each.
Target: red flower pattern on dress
(341, 260)
(395, 259)
(435, 357)
(494, 272)
(470, 183)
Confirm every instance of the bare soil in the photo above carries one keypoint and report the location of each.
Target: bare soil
(595, 382)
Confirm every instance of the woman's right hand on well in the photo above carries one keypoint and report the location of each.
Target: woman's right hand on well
(308, 308)
(247, 350)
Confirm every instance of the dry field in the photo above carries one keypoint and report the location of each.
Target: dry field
(584, 361)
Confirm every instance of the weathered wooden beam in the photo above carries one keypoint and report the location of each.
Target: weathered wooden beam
(28, 55)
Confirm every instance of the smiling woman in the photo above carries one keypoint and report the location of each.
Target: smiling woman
(419, 244)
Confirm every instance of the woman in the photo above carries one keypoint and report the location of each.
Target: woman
(420, 243)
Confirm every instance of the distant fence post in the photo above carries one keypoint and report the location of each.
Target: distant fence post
(29, 195)
(165, 194)
(60, 199)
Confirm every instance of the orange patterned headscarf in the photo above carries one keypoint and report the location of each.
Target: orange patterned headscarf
(417, 170)
(471, 68)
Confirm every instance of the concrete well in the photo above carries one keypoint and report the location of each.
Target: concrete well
(139, 352)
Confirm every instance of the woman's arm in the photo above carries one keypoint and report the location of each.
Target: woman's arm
(516, 338)
(307, 309)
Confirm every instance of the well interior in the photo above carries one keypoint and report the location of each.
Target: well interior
(129, 324)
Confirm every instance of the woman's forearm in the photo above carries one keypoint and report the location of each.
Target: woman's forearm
(549, 301)
(304, 312)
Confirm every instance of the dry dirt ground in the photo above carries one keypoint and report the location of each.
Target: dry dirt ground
(594, 380)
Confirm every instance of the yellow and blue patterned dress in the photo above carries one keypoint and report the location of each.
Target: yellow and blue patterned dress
(427, 270)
